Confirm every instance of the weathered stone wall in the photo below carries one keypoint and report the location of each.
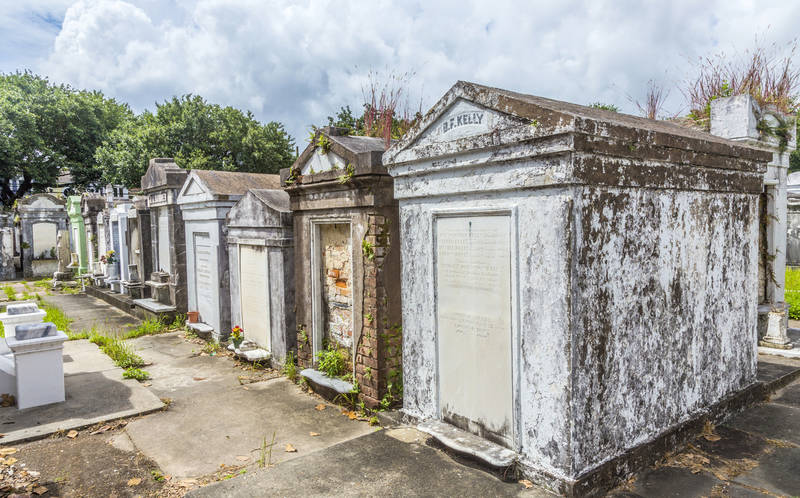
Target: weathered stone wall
(663, 316)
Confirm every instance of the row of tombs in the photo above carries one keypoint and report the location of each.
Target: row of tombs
(545, 285)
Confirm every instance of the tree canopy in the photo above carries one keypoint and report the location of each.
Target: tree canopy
(47, 128)
(199, 135)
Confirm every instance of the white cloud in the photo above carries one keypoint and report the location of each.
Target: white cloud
(298, 62)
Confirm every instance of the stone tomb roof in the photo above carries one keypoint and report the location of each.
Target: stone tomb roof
(314, 165)
(474, 124)
(261, 208)
(163, 172)
(209, 185)
(460, 122)
(41, 202)
(91, 204)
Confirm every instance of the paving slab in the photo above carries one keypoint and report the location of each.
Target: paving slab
(382, 463)
(670, 482)
(213, 419)
(769, 420)
(95, 392)
(789, 395)
(733, 444)
(777, 472)
(87, 312)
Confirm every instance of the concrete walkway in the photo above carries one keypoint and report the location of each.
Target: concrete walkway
(95, 391)
(87, 312)
(215, 419)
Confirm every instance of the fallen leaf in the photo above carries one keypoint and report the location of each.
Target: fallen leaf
(7, 451)
(72, 434)
(2, 435)
(290, 448)
(135, 481)
(712, 437)
(100, 430)
(526, 483)
(147, 384)
(245, 388)
(319, 407)
(243, 458)
(10, 461)
(187, 483)
(352, 415)
(313, 434)
(40, 490)
(198, 378)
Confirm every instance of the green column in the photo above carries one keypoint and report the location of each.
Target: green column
(77, 232)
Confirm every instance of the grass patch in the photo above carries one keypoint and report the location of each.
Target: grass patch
(289, 366)
(59, 318)
(211, 347)
(793, 292)
(117, 350)
(71, 290)
(10, 294)
(135, 373)
(44, 283)
(179, 323)
(151, 326)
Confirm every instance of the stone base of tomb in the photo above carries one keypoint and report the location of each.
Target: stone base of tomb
(325, 386)
(249, 351)
(134, 289)
(793, 351)
(152, 309)
(203, 331)
(609, 474)
(120, 301)
(62, 275)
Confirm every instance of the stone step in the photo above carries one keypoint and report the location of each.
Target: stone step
(469, 444)
(319, 379)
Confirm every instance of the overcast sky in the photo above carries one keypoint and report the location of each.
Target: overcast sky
(299, 62)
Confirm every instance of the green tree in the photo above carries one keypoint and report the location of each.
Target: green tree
(199, 135)
(46, 128)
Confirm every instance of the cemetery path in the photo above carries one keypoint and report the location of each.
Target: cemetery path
(215, 420)
(87, 312)
(755, 453)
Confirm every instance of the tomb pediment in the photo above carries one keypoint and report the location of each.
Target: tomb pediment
(260, 208)
(163, 172)
(41, 201)
(464, 119)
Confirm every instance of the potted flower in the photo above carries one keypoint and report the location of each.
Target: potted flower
(237, 336)
(110, 258)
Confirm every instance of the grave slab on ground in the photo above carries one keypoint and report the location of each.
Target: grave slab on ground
(95, 392)
(214, 419)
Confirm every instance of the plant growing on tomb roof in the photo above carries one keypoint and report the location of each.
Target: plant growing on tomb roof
(324, 144)
(347, 176)
(782, 131)
(294, 176)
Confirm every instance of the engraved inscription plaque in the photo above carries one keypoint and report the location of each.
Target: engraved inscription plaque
(205, 277)
(473, 292)
(254, 282)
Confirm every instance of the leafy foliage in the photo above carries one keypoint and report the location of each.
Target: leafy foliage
(136, 374)
(199, 135)
(768, 73)
(47, 128)
(605, 107)
(332, 361)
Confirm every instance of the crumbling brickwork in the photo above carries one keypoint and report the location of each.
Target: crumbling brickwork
(379, 359)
